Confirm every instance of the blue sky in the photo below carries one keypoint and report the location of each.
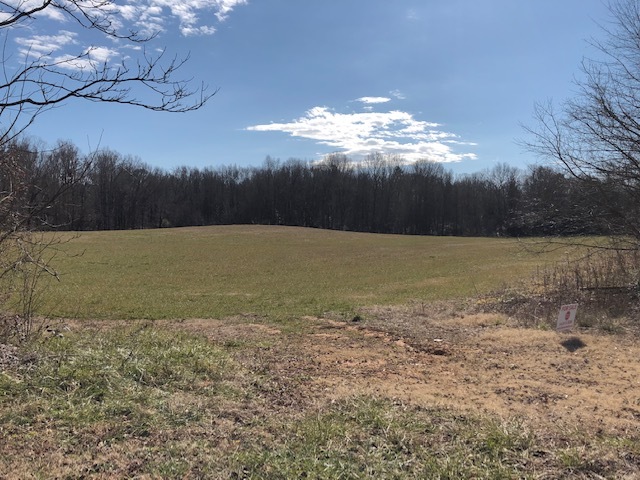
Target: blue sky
(446, 80)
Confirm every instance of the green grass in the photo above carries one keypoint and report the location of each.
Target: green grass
(212, 272)
(366, 437)
(94, 398)
(98, 375)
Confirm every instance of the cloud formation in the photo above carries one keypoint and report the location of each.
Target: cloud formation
(187, 12)
(43, 45)
(362, 133)
(147, 17)
(152, 16)
(370, 100)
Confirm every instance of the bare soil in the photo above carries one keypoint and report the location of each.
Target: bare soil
(484, 363)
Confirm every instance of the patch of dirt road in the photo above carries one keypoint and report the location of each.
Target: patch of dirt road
(478, 363)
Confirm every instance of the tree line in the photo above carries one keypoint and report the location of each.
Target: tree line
(110, 191)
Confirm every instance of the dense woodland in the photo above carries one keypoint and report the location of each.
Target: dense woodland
(106, 191)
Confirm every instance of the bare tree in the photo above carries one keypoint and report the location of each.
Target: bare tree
(594, 140)
(595, 137)
(38, 74)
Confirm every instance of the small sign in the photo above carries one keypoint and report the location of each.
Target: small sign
(567, 317)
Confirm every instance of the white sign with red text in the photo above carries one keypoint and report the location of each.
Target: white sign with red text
(567, 317)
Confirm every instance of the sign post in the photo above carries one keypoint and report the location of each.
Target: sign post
(566, 317)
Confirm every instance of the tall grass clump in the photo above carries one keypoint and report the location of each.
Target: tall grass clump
(605, 283)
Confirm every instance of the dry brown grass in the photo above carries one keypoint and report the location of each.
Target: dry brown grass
(400, 393)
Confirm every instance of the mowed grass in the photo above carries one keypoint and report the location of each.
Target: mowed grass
(213, 272)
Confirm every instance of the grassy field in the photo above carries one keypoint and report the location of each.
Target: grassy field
(212, 272)
(206, 353)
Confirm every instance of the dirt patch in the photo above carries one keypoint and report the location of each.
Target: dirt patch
(234, 329)
(439, 355)
(505, 371)
(469, 362)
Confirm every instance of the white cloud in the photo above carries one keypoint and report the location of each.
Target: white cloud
(128, 12)
(370, 100)
(44, 45)
(188, 31)
(15, 6)
(397, 94)
(194, 17)
(50, 48)
(188, 13)
(148, 17)
(359, 134)
(226, 6)
(101, 54)
(92, 58)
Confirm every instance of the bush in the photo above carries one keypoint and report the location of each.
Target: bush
(604, 283)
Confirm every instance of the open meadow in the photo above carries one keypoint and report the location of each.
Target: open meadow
(213, 272)
(254, 352)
